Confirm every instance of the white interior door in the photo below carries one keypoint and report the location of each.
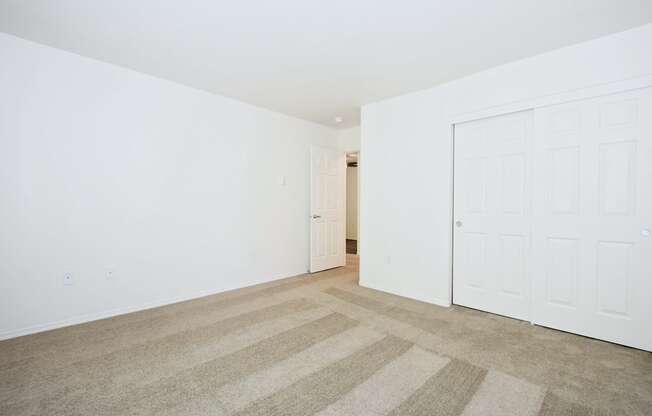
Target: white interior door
(592, 262)
(328, 209)
(493, 215)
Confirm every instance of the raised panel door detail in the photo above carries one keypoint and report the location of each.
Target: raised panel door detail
(511, 131)
(332, 237)
(476, 253)
(318, 199)
(476, 185)
(319, 240)
(619, 113)
(564, 120)
(564, 189)
(617, 172)
(513, 184)
(613, 275)
(562, 257)
(563, 128)
(332, 197)
(512, 262)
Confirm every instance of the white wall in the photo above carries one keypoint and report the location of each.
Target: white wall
(349, 139)
(176, 190)
(352, 203)
(410, 137)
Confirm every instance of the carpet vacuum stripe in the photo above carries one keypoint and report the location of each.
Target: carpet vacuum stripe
(208, 377)
(322, 388)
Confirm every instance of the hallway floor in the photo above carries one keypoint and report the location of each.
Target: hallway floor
(351, 246)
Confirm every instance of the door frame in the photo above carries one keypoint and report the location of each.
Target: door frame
(346, 200)
(517, 106)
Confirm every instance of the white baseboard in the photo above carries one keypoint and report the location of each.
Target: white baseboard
(80, 319)
(420, 298)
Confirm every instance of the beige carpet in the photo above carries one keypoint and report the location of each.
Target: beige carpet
(318, 345)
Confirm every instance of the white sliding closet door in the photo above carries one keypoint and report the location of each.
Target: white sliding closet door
(592, 249)
(493, 215)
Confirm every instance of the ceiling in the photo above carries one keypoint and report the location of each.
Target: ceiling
(316, 60)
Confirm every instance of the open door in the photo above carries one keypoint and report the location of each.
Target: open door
(328, 209)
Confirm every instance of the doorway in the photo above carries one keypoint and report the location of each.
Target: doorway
(352, 212)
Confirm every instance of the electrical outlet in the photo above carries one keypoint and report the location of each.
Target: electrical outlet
(388, 259)
(67, 279)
